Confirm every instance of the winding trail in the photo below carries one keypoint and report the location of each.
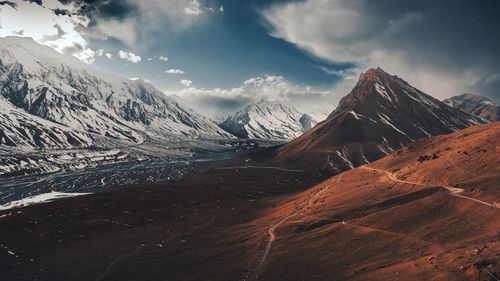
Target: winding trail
(271, 235)
(454, 191)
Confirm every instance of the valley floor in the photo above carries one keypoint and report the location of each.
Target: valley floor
(427, 212)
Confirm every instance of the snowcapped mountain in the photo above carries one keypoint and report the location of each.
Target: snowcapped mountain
(61, 89)
(476, 105)
(267, 120)
(381, 114)
(320, 114)
(20, 128)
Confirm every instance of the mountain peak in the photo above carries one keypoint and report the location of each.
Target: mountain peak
(373, 74)
(381, 114)
(62, 89)
(265, 120)
(375, 86)
(266, 102)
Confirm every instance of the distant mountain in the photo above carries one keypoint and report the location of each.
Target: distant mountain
(307, 122)
(61, 89)
(267, 120)
(381, 114)
(476, 105)
(320, 114)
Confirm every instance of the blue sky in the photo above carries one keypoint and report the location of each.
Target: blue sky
(222, 54)
(223, 51)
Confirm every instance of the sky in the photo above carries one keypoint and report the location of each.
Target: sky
(218, 55)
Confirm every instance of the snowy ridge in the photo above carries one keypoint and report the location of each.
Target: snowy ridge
(476, 105)
(18, 128)
(268, 120)
(402, 107)
(37, 199)
(64, 90)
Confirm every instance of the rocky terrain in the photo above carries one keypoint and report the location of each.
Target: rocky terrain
(268, 120)
(381, 114)
(41, 82)
(426, 211)
(476, 105)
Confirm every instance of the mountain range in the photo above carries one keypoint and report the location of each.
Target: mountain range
(381, 114)
(38, 81)
(476, 105)
(53, 100)
(268, 120)
(19, 128)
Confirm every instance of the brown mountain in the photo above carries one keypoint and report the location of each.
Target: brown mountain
(476, 105)
(381, 114)
(430, 211)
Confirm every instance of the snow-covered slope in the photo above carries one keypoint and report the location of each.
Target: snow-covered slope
(266, 120)
(64, 90)
(18, 128)
(380, 115)
(476, 105)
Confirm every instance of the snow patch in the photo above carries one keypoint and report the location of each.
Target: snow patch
(386, 119)
(37, 199)
(382, 91)
(345, 159)
(355, 115)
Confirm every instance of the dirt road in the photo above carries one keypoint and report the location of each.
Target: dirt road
(454, 191)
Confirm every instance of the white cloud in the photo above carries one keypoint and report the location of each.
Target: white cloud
(128, 56)
(193, 8)
(62, 32)
(174, 71)
(163, 58)
(123, 30)
(87, 55)
(493, 78)
(221, 8)
(186, 82)
(149, 59)
(347, 74)
(213, 102)
(350, 32)
(137, 78)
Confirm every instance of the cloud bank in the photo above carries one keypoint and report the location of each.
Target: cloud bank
(442, 47)
(71, 26)
(61, 32)
(219, 102)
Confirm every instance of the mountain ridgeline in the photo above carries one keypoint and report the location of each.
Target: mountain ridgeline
(53, 100)
(380, 115)
(37, 81)
(268, 120)
(476, 105)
